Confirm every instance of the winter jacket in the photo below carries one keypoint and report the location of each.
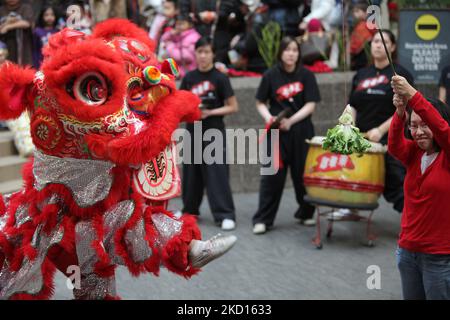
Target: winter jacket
(181, 48)
(360, 36)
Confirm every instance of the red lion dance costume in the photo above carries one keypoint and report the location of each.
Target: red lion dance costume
(102, 112)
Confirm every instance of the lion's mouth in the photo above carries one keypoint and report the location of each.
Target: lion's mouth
(145, 101)
(158, 178)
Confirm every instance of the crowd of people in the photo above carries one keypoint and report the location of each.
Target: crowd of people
(210, 39)
(235, 27)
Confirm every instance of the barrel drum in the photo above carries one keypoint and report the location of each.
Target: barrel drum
(344, 179)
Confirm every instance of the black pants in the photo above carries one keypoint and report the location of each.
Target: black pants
(215, 178)
(293, 151)
(393, 184)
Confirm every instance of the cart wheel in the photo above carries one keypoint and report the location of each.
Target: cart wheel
(370, 243)
(319, 246)
(329, 233)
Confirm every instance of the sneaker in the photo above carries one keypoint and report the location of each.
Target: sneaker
(342, 214)
(259, 228)
(228, 224)
(308, 222)
(203, 252)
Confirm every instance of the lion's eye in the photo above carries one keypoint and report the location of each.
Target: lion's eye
(91, 88)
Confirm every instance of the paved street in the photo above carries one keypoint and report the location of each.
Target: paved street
(282, 264)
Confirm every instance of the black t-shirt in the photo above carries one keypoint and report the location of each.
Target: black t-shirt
(445, 82)
(372, 95)
(213, 87)
(287, 90)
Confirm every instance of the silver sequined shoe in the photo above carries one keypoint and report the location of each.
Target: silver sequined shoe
(203, 252)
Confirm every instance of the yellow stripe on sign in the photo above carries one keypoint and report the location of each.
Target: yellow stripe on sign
(427, 27)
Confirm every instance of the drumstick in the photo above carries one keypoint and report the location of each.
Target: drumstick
(384, 43)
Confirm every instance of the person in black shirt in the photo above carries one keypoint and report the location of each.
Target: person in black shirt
(444, 85)
(218, 99)
(371, 102)
(286, 86)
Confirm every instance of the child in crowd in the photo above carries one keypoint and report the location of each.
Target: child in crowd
(360, 37)
(179, 44)
(46, 25)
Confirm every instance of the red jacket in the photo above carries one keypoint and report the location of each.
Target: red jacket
(425, 224)
(359, 37)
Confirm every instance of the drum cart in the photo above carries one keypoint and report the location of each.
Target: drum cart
(318, 203)
(343, 181)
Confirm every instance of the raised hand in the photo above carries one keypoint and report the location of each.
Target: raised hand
(401, 87)
(400, 103)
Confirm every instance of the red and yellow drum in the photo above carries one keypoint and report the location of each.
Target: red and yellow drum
(344, 179)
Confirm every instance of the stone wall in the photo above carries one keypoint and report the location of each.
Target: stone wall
(334, 89)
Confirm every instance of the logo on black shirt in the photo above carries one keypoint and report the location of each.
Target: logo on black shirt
(289, 90)
(372, 82)
(203, 88)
